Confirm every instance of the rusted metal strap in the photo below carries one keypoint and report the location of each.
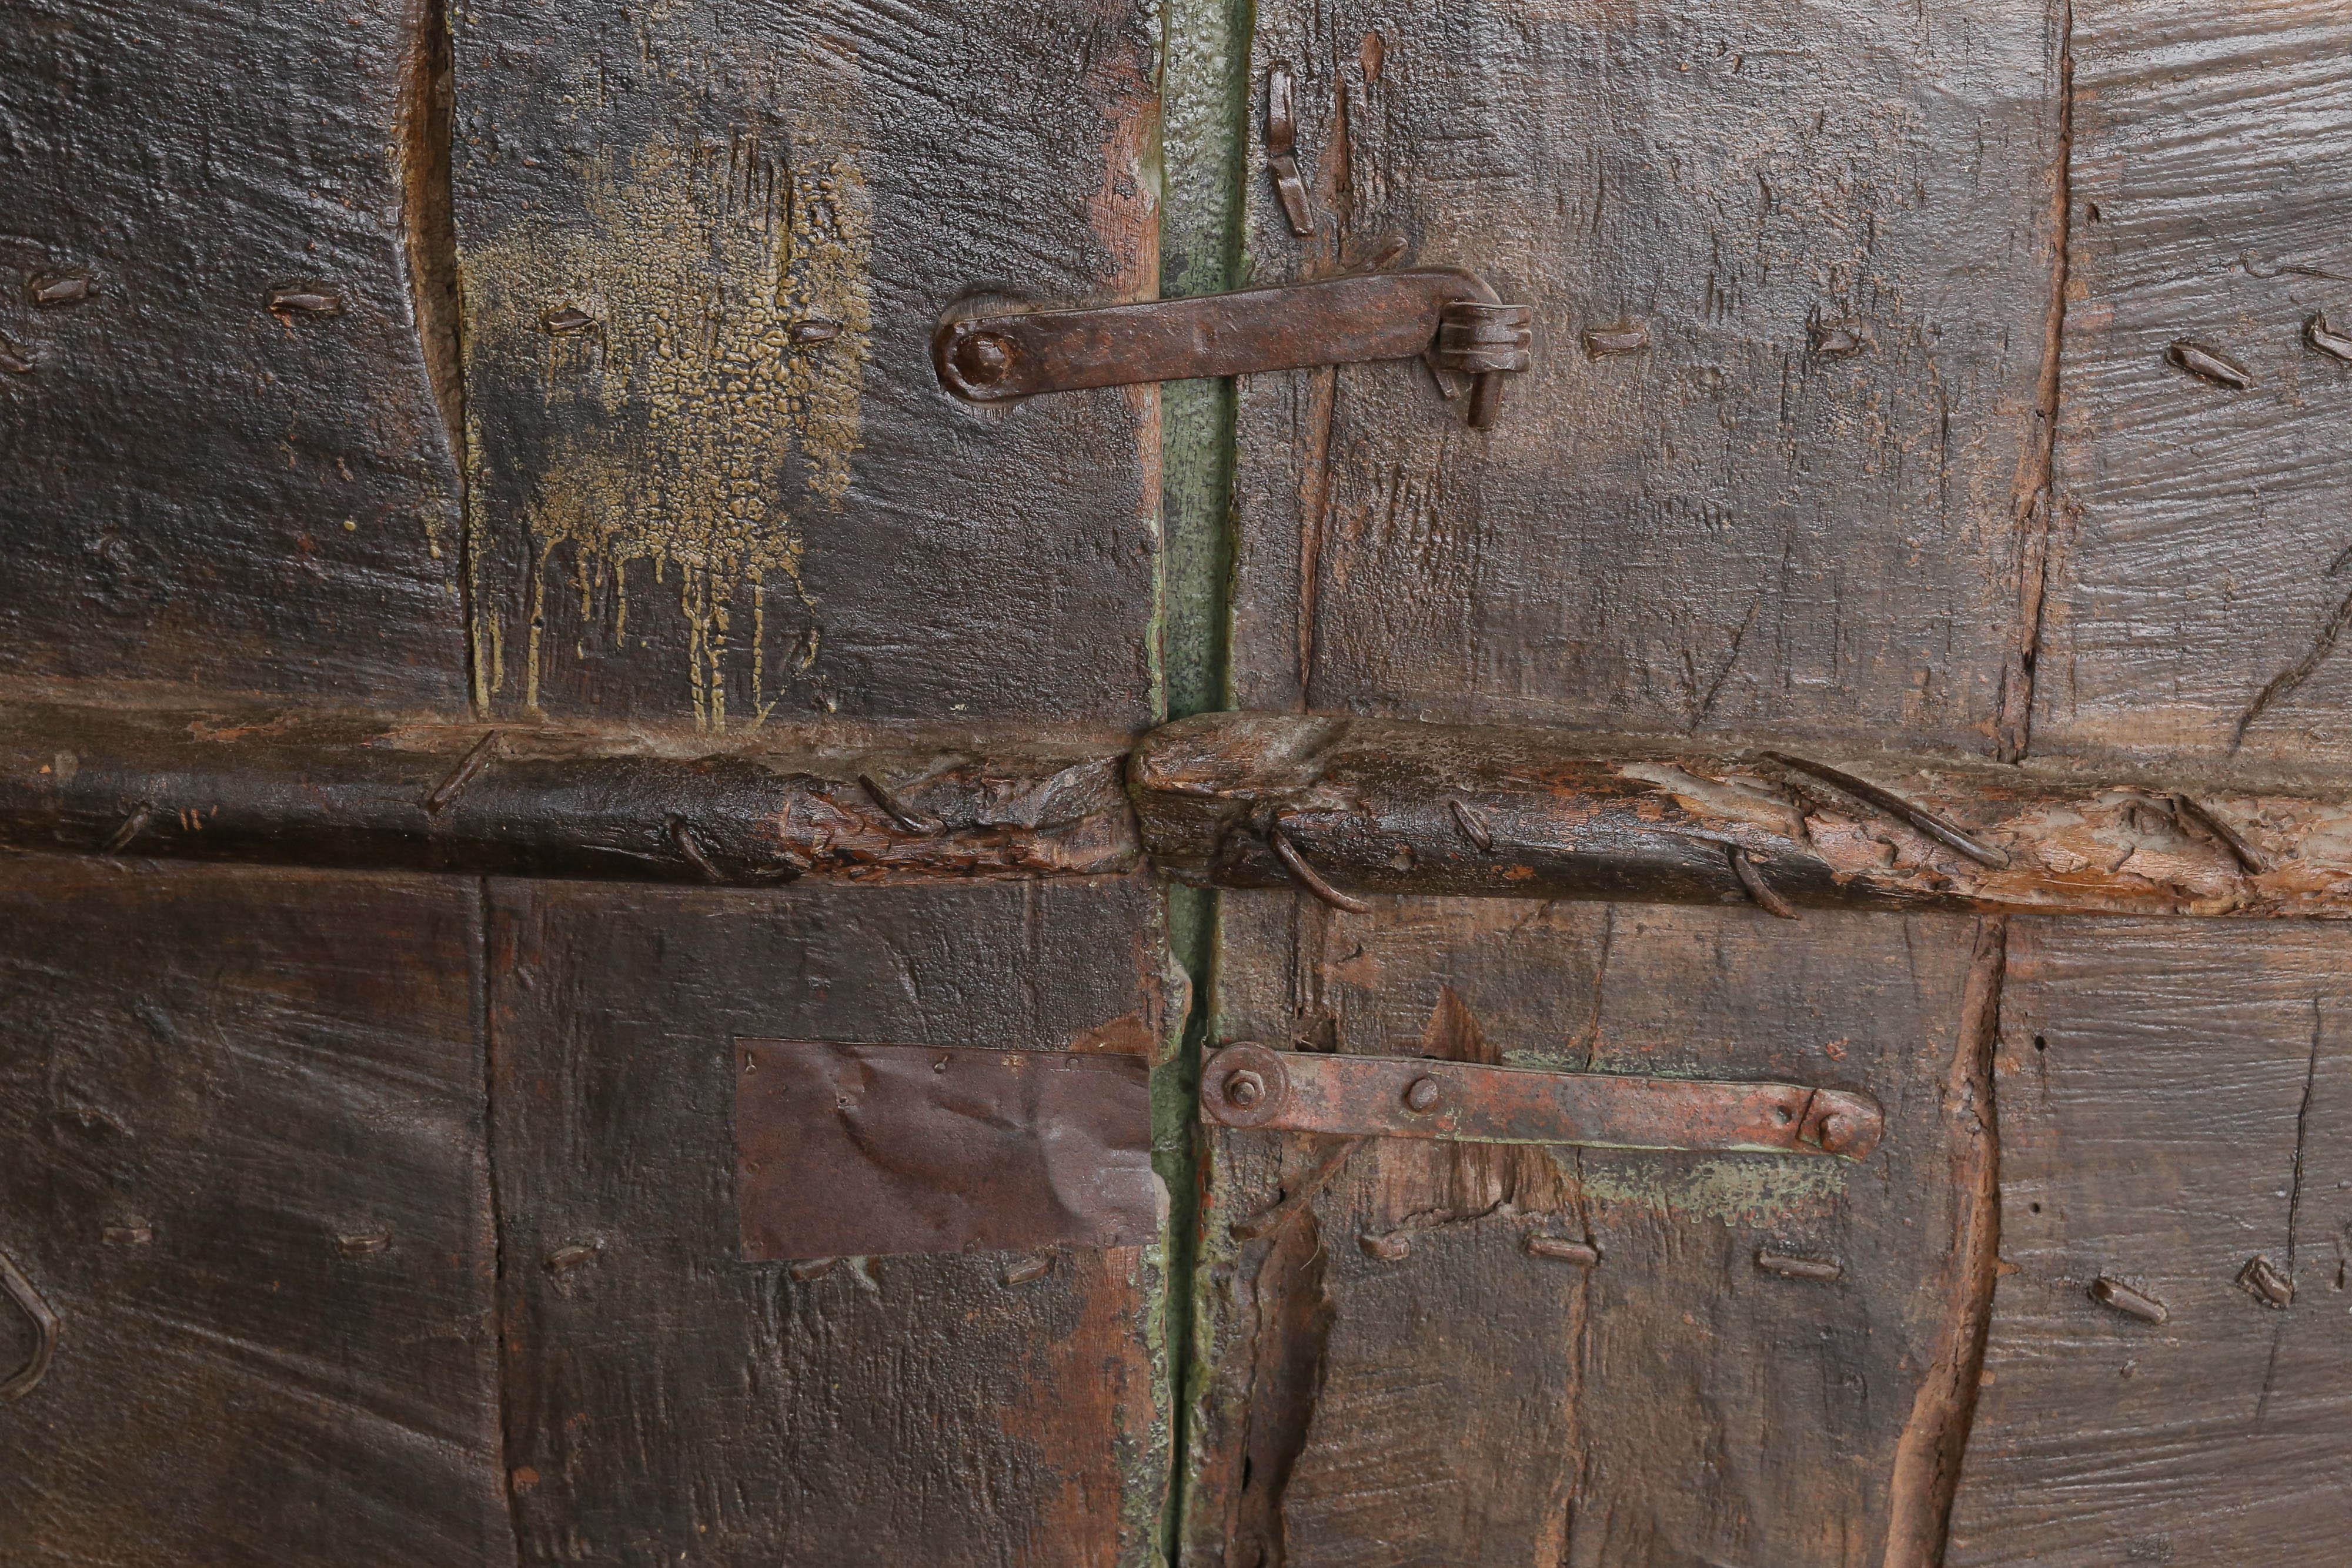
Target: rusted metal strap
(1447, 317)
(1247, 1085)
(1353, 809)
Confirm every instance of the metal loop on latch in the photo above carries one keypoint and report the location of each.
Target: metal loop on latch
(20, 1291)
(1484, 342)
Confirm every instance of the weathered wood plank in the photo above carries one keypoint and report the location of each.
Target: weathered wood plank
(838, 802)
(704, 249)
(242, 1155)
(1796, 506)
(1417, 810)
(668, 1403)
(2174, 1102)
(1392, 1377)
(2197, 589)
(203, 489)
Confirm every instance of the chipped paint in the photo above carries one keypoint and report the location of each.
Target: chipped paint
(715, 395)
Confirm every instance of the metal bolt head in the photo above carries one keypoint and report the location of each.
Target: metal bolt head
(1837, 1133)
(1421, 1094)
(984, 358)
(1243, 1088)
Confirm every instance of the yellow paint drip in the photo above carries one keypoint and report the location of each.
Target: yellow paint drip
(717, 393)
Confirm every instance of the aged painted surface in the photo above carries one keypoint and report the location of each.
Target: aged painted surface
(2174, 1106)
(224, 465)
(704, 247)
(1829, 232)
(242, 1155)
(1393, 1375)
(2197, 579)
(667, 1402)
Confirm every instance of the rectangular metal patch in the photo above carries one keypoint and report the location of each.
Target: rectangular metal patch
(863, 1150)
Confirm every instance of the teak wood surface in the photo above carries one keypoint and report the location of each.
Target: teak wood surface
(500, 608)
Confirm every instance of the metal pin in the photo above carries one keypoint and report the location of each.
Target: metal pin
(2109, 1291)
(906, 816)
(1391, 247)
(53, 289)
(564, 320)
(1421, 1096)
(2325, 339)
(1029, 1268)
(1757, 888)
(1473, 827)
(681, 833)
(1281, 151)
(1559, 1248)
(1392, 1248)
(809, 1268)
(1790, 1265)
(304, 299)
(365, 1244)
(468, 767)
(15, 358)
(2206, 365)
(814, 329)
(1946, 833)
(1623, 338)
(1308, 877)
(1840, 340)
(139, 1233)
(572, 1256)
(2261, 1280)
(132, 826)
(2187, 810)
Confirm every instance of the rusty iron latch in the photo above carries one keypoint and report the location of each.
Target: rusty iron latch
(1449, 319)
(1247, 1085)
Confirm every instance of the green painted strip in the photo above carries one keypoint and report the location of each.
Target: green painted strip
(1205, 96)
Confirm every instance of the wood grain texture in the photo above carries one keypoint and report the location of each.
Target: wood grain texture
(704, 249)
(1413, 810)
(669, 1403)
(202, 490)
(2173, 1104)
(242, 1155)
(2196, 582)
(1459, 1400)
(309, 787)
(1796, 506)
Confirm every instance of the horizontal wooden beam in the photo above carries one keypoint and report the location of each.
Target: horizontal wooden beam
(843, 803)
(1350, 807)
(1356, 808)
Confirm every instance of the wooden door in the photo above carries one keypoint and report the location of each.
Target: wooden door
(506, 622)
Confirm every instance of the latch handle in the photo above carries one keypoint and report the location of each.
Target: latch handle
(1247, 1085)
(1447, 317)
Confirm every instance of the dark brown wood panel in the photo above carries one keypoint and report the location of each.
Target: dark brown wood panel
(2198, 580)
(202, 489)
(242, 1158)
(1798, 505)
(2174, 1103)
(668, 1403)
(1392, 1377)
(704, 248)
